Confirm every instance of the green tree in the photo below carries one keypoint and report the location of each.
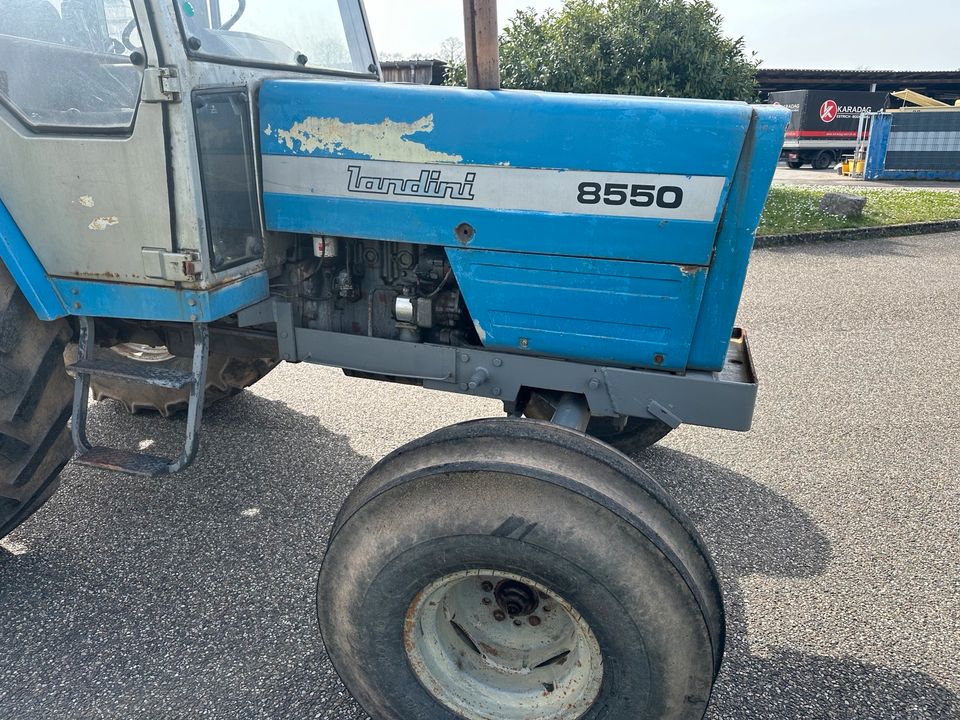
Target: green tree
(673, 48)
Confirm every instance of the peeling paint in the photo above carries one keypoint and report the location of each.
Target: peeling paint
(378, 141)
(480, 331)
(102, 223)
(86, 201)
(268, 130)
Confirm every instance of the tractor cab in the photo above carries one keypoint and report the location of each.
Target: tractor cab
(137, 120)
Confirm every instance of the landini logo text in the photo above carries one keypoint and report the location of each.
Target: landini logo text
(427, 185)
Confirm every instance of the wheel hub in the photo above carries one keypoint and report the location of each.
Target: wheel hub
(516, 598)
(487, 644)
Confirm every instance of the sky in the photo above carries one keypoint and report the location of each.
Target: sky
(829, 34)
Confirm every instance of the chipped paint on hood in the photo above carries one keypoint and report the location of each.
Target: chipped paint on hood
(480, 331)
(377, 141)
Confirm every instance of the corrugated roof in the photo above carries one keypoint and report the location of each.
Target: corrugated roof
(821, 71)
(409, 63)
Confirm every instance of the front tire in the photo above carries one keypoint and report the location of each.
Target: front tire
(635, 436)
(413, 581)
(36, 397)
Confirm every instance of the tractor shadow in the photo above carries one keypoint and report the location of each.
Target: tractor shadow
(185, 596)
(751, 530)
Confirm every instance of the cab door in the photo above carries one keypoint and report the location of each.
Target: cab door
(82, 147)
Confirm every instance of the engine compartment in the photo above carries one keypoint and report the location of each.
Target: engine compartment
(396, 291)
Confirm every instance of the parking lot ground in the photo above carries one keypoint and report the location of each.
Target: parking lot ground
(834, 523)
(808, 176)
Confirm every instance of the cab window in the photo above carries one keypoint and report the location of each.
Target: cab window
(67, 63)
(317, 35)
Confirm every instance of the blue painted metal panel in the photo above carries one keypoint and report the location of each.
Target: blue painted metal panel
(622, 312)
(27, 270)
(728, 271)
(676, 241)
(521, 128)
(143, 302)
(877, 149)
(502, 132)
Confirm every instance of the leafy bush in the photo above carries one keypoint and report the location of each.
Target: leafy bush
(672, 48)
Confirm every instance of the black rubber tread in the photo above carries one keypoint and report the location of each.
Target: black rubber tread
(635, 436)
(36, 397)
(226, 376)
(567, 444)
(823, 160)
(575, 465)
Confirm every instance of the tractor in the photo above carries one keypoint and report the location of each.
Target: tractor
(194, 191)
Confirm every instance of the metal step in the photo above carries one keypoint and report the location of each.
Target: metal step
(142, 372)
(89, 365)
(133, 463)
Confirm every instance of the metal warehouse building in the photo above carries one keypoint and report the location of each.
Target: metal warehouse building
(943, 85)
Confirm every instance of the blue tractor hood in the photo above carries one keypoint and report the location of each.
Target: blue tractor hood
(608, 228)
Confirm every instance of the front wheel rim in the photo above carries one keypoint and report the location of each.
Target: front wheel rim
(486, 643)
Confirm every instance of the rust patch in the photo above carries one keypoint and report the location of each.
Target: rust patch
(487, 650)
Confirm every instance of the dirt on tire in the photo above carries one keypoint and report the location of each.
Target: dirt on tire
(36, 397)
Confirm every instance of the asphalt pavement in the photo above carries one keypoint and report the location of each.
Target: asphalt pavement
(835, 523)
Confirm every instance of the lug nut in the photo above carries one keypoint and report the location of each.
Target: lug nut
(534, 620)
(518, 622)
(486, 601)
(487, 586)
(499, 615)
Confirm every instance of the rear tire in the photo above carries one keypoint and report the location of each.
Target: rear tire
(36, 397)
(576, 525)
(823, 160)
(226, 376)
(795, 164)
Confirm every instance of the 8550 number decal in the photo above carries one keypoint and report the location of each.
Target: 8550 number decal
(665, 196)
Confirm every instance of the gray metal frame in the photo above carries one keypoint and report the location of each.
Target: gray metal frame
(723, 400)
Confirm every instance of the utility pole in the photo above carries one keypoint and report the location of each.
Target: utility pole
(482, 44)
